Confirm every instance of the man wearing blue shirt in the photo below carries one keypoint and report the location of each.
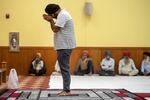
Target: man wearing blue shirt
(145, 67)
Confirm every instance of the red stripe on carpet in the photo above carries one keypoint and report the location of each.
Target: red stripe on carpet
(143, 94)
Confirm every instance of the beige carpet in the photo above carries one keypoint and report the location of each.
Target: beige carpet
(31, 82)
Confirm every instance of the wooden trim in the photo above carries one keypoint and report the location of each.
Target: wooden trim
(48, 47)
(21, 60)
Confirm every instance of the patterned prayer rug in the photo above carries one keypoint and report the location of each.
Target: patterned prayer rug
(33, 82)
(77, 94)
(42, 82)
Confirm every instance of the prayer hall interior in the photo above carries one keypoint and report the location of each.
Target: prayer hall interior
(99, 25)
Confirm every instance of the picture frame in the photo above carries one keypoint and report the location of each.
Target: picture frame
(14, 42)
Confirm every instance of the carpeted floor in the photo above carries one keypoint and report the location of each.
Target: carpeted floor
(33, 82)
(42, 82)
(76, 94)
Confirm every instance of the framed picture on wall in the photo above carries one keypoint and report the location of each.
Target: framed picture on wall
(14, 42)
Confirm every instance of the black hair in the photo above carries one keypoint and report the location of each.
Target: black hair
(108, 53)
(146, 53)
(52, 8)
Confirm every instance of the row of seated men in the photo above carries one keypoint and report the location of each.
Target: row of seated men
(85, 65)
(126, 65)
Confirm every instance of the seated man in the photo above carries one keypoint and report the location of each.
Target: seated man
(107, 65)
(37, 66)
(145, 67)
(127, 66)
(84, 65)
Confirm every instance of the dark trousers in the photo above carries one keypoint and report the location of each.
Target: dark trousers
(63, 57)
(39, 73)
(106, 73)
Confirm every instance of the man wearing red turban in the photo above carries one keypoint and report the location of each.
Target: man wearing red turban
(127, 66)
(84, 65)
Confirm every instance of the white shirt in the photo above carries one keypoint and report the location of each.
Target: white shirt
(64, 38)
(108, 64)
(128, 67)
(38, 66)
(145, 68)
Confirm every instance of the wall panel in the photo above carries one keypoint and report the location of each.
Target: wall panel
(22, 60)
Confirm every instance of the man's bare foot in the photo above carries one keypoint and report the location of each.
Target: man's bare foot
(64, 93)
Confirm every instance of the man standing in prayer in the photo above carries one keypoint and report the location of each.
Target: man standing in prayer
(64, 40)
